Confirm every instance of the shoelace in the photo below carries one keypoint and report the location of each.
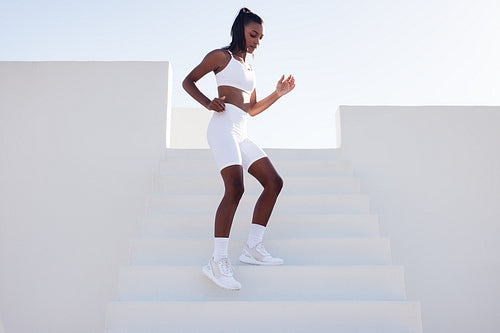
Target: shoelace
(225, 267)
(262, 250)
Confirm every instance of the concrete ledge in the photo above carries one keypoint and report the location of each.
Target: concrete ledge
(432, 173)
(298, 251)
(281, 226)
(158, 204)
(271, 283)
(300, 317)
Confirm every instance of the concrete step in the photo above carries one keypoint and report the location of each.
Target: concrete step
(273, 153)
(280, 226)
(286, 168)
(264, 317)
(292, 185)
(326, 251)
(264, 283)
(158, 204)
(323, 154)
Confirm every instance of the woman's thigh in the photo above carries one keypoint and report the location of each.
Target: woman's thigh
(263, 170)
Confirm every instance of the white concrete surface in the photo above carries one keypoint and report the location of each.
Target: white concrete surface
(336, 262)
(275, 317)
(281, 226)
(79, 142)
(271, 283)
(284, 167)
(189, 127)
(325, 250)
(295, 185)
(433, 177)
(158, 204)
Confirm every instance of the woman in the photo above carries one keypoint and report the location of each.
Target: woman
(231, 147)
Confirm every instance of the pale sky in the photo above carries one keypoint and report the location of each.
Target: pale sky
(356, 52)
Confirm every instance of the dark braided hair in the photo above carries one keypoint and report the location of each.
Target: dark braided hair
(238, 29)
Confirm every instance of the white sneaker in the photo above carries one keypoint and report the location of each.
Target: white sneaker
(221, 273)
(258, 256)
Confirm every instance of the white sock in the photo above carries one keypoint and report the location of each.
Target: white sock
(256, 235)
(220, 248)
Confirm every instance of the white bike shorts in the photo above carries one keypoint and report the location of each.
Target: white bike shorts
(227, 138)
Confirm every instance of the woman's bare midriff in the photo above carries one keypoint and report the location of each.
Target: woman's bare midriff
(235, 96)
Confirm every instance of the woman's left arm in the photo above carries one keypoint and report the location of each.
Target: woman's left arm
(283, 87)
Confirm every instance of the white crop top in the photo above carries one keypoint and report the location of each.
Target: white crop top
(235, 74)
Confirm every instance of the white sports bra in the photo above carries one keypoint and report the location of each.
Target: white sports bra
(236, 75)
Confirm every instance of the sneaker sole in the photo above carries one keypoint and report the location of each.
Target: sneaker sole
(247, 260)
(209, 274)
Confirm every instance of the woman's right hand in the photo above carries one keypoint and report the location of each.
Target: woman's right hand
(217, 104)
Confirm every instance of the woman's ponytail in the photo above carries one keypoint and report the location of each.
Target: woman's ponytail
(238, 29)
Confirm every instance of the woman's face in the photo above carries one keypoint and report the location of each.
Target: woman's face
(253, 34)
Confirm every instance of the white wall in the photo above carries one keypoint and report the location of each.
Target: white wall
(433, 175)
(78, 144)
(189, 127)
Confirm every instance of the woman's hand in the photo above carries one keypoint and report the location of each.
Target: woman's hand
(284, 86)
(217, 104)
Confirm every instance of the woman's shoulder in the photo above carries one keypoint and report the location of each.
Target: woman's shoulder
(218, 58)
(221, 53)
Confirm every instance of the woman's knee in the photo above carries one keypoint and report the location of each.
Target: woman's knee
(279, 183)
(233, 182)
(275, 184)
(235, 190)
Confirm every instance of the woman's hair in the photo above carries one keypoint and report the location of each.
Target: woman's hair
(238, 29)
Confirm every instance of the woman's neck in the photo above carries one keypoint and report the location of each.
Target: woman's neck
(241, 54)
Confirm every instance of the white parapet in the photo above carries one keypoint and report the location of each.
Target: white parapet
(78, 143)
(188, 128)
(432, 173)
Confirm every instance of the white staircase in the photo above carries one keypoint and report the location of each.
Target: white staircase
(337, 277)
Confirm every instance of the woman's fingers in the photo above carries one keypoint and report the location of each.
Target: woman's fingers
(286, 85)
(289, 78)
(218, 104)
(221, 103)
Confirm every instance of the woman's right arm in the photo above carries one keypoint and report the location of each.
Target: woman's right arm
(211, 62)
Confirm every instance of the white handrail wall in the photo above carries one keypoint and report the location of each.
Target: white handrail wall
(433, 176)
(79, 142)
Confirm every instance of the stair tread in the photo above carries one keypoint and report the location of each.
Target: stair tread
(265, 283)
(374, 251)
(273, 153)
(158, 204)
(337, 276)
(275, 316)
(206, 184)
(280, 226)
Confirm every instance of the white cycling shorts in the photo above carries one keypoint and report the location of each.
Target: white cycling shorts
(227, 138)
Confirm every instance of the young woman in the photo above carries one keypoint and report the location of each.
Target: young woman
(232, 149)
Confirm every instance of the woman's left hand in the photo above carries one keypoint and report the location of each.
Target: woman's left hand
(284, 86)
